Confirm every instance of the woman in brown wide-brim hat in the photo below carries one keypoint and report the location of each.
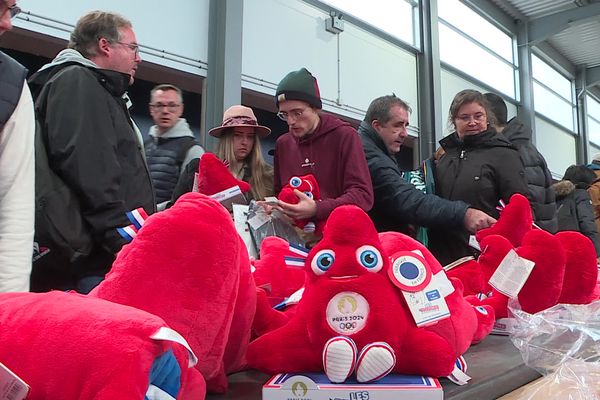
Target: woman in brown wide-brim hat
(239, 146)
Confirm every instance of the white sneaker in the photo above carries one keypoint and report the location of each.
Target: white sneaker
(339, 358)
(375, 361)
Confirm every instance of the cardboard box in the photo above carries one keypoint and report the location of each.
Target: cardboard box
(316, 386)
(11, 386)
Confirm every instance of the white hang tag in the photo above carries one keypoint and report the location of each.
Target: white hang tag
(258, 220)
(428, 306)
(474, 243)
(195, 184)
(459, 377)
(11, 386)
(171, 335)
(511, 274)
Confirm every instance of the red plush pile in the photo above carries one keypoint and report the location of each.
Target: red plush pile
(351, 309)
(565, 268)
(68, 346)
(308, 185)
(189, 266)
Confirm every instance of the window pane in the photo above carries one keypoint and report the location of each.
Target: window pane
(593, 107)
(474, 25)
(553, 106)
(392, 16)
(469, 58)
(550, 77)
(594, 131)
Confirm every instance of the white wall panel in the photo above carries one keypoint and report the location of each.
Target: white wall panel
(556, 145)
(284, 35)
(174, 35)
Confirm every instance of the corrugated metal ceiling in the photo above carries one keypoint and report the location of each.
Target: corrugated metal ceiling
(579, 43)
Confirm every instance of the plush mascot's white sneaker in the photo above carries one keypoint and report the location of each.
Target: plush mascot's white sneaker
(375, 361)
(339, 358)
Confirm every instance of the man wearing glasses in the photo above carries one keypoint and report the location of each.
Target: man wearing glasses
(17, 129)
(318, 144)
(171, 144)
(90, 166)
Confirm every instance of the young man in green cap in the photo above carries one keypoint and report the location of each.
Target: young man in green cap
(318, 144)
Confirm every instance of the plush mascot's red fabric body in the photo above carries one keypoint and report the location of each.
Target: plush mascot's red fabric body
(565, 268)
(189, 266)
(68, 346)
(352, 317)
(308, 185)
(214, 177)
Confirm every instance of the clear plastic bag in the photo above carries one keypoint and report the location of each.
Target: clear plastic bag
(263, 225)
(563, 344)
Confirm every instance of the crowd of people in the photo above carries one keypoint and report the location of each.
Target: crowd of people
(92, 166)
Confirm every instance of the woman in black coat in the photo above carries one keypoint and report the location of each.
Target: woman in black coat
(479, 167)
(575, 212)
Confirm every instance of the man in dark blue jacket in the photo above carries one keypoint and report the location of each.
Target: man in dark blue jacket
(398, 203)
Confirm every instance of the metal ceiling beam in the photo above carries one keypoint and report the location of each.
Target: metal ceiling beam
(542, 28)
(592, 76)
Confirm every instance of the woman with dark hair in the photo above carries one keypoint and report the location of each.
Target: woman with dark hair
(575, 212)
(478, 167)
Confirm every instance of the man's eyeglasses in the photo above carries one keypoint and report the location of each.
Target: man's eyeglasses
(134, 47)
(14, 10)
(171, 107)
(293, 113)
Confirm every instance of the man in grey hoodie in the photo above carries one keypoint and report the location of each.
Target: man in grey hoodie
(90, 167)
(171, 145)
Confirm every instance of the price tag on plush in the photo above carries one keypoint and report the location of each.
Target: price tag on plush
(511, 274)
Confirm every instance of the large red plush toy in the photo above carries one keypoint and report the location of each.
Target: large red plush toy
(354, 316)
(308, 185)
(565, 268)
(69, 346)
(189, 266)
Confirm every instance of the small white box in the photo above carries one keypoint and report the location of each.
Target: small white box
(316, 386)
(230, 196)
(11, 386)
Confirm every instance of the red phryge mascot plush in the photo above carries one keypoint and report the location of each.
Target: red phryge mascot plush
(308, 185)
(214, 177)
(68, 346)
(189, 266)
(352, 317)
(565, 268)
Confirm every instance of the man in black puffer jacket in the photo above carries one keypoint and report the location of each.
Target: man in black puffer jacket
(90, 168)
(399, 203)
(539, 179)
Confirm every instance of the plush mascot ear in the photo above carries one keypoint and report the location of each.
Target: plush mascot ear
(514, 222)
(214, 177)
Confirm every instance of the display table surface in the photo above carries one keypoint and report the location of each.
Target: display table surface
(495, 366)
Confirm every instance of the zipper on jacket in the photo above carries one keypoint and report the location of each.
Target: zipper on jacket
(462, 154)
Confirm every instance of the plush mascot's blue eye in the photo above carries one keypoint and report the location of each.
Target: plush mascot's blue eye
(295, 181)
(309, 194)
(322, 261)
(370, 258)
